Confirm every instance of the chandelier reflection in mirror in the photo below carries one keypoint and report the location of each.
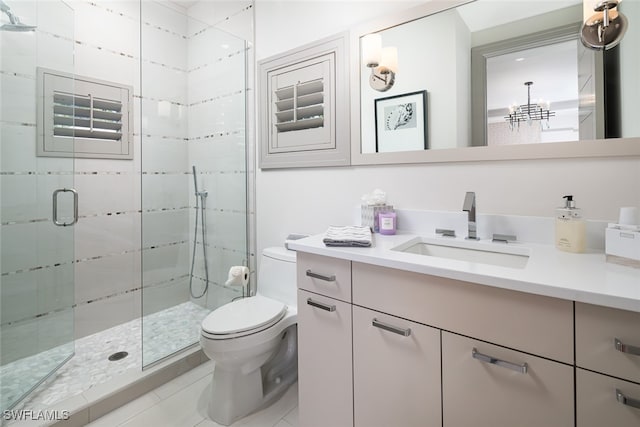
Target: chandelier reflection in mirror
(529, 112)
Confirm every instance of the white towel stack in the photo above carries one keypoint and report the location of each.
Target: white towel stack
(349, 235)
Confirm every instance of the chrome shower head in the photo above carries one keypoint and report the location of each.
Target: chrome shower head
(15, 23)
(17, 28)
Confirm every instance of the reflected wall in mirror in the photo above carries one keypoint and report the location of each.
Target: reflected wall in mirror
(474, 60)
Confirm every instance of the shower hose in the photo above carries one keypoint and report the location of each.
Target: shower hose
(201, 196)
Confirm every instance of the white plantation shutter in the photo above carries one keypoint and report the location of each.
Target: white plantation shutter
(300, 106)
(303, 113)
(83, 117)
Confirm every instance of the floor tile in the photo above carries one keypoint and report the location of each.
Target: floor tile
(270, 416)
(90, 368)
(292, 417)
(124, 413)
(210, 423)
(182, 381)
(185, 405)
(179, 410)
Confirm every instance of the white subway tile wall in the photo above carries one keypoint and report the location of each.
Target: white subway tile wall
(136, 217)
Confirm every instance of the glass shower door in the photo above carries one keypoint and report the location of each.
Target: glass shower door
(193, 132)
(36, 255)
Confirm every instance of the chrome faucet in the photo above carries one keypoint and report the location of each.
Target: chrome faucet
(469, 206)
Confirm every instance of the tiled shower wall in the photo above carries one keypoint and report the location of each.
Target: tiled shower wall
(220, 49)
(114, 200)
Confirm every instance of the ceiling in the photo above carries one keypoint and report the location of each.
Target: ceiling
(553, 69)
(184, 3)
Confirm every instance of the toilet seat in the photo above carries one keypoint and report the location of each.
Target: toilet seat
(243, 317)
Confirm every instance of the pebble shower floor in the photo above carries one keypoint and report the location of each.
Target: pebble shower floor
(90, 365)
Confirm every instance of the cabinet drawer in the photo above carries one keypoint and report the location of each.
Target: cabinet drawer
(396, 371)
(596, 331)
(513, 319)
(480, 394)
(325, 386)
(597, 401)
(324, 275)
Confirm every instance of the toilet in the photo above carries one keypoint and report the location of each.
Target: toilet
(253, 342)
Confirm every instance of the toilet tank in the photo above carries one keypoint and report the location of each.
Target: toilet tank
(277, 275)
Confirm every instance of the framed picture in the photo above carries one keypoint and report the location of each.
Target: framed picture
(401, 122)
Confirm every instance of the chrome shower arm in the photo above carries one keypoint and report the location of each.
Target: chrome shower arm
(7, 11)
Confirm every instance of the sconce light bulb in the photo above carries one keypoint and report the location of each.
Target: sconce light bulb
(372, 50)
(389, 60)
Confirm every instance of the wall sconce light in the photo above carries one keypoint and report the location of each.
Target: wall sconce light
(606, 28)
(382, 61)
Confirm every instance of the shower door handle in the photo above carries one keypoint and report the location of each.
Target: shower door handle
(55, 207)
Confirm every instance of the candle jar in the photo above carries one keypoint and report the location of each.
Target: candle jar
(387, 222)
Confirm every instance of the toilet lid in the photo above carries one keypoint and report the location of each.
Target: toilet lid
(243, 315)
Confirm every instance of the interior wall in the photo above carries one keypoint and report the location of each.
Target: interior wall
(220, 35)
(309, 200)
(107, 236)
(434, 62)
(37, 257)
(629, 66)
(163, 116)
(105, 40)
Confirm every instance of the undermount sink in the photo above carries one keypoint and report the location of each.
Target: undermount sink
(499, 254)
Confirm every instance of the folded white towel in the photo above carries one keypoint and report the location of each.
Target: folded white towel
(349, 235)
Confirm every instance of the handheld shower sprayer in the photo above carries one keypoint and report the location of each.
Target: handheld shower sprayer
(201, 198)
(203, 193)
(195, 178)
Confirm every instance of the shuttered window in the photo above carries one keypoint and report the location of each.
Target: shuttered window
(300, 106)
(303, 114)
(83, 117)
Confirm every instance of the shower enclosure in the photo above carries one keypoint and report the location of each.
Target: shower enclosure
(122, 273)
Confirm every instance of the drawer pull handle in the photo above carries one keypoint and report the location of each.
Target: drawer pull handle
(503, 363)
(624, 348)
(634, 403)
(321, 305)
(405, 332)
(321, 277)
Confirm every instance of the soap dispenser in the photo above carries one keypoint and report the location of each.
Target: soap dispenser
(570, 227)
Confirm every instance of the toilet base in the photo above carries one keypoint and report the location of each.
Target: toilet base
(236, 394)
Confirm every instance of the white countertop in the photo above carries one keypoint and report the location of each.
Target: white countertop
(584, 277)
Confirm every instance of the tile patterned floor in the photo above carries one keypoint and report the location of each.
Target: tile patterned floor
(90, 365)
(182, 402)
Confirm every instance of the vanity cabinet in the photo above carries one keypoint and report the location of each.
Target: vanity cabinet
(608, 366)
(396, 371)
(489, 385)
(509, 318)
(326, 276)
(602, 400)
(325, 356)
(381, 346)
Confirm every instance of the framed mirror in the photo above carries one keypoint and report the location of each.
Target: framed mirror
(482, 63)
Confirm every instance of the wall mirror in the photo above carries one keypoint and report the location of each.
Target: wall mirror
(480, 64)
